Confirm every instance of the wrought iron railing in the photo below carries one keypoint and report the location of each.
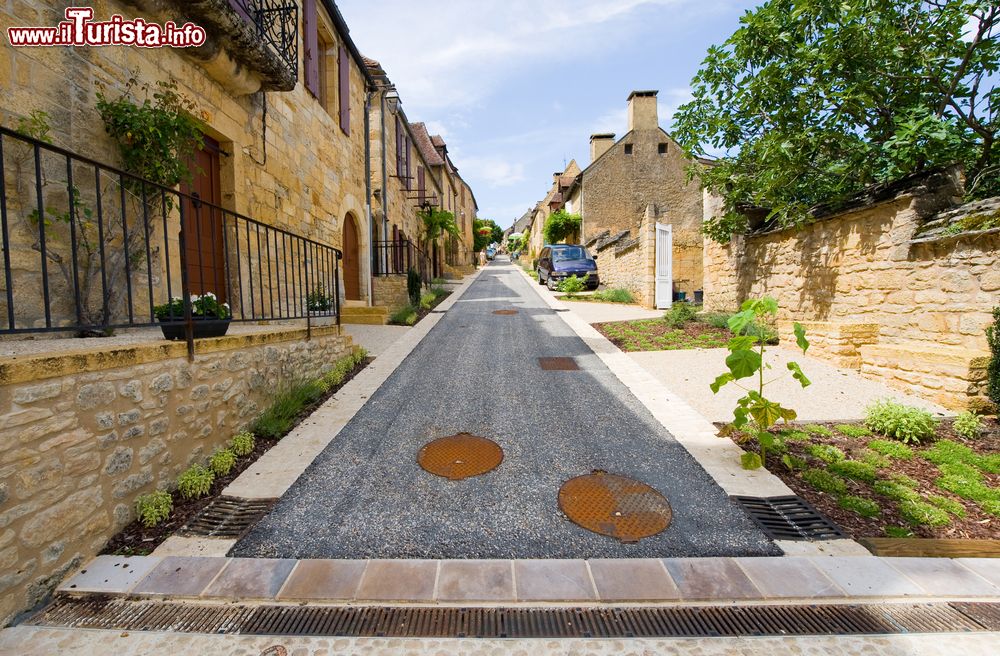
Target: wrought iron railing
(87, 248)
(277, 25)
(396, 258)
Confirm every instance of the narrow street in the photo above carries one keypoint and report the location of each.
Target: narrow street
(366, 497)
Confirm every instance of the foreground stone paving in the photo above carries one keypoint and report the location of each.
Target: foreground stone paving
(33, 641)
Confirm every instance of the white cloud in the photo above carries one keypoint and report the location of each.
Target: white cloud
(494, 171)
(667, 102)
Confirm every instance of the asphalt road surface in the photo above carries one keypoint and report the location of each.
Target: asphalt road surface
(365, 496)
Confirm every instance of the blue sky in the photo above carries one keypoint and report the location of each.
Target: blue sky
(517, 87)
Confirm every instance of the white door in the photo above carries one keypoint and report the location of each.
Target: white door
(664, 266)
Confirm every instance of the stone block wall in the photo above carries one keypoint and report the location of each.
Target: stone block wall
(838, 343)
(83, 434)
(866, 267)
(390, 292)
(631, 264)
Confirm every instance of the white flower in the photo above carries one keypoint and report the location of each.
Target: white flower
(225, 305)
(195, 298)
(209, 295)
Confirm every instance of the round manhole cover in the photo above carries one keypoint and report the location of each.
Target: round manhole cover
(460, 456)
(616, 506)
(504, 312)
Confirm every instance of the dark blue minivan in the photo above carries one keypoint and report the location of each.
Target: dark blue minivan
(564, 260)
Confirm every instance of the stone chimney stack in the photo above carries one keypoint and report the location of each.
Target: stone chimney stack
(599, 144)
(642, 111)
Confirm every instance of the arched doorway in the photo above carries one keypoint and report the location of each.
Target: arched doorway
(352, 260)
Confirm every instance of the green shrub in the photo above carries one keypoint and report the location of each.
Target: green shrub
(404, 316)
(195, 481)
(679, 314)
(794, 435)
(949, 452)
(572, 285)
(413, 283)
(438, 282)
(715, 319)
(907, 481)
(222, 462)
(794, 463)
(242, 444)
(850, 430)
(900, 422)
(993, 368)
(950, 506)
(891, 449)
(968, 424)
(825, 452)
(861, 506)
(919, 513)
(154, 507)
(280, 416)
(853, 469)
(614, 296)
(824, 481)
(991, 506)
(438, 291)
(761, 331)
(895, 491)
(427, 301)
(816, 429)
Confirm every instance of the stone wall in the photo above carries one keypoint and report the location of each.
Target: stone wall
(83, 434)
(868, 270)
(630, 263)
(285, 159)
(390, 292)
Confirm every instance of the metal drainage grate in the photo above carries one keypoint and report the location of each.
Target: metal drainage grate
(504, 312)
(426, 622)
(789, 518)
(982, 613)
(460, 456)
(558, 364)
(227, 517)
(619, 507)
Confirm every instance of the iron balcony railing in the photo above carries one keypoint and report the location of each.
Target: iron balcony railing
(396, 258)
(276, 23)
(87, 247)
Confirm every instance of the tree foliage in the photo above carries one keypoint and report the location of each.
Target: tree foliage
(484, 233)
(810, 101)
(438, 222)
(560, 225)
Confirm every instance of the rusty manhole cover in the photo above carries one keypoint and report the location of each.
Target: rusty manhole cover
(558, 364)
(616, 506)
(460, 456)
(505, 312)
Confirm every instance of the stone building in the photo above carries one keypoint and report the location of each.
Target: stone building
(630, 185)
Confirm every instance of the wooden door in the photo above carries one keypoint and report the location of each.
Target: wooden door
(203, 252)
(352, 274)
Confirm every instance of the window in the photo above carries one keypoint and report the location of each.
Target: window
(628, 149)
(406, 150)
(662, 149)
(311, 54)
(325, 82)
(421, 186)
(399, 147)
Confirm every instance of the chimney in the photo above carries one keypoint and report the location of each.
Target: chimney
(599, 144)
(642, 111)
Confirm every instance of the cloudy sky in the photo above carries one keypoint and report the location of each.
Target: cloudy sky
(517, 87)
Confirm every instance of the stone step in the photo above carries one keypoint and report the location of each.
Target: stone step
(372, 316)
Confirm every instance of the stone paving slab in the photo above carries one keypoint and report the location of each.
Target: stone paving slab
(45, 641)
(485, 582)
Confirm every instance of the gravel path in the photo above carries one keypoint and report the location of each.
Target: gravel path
(366, 497)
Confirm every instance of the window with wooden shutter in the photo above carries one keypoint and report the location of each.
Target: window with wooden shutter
(344, 90)
(399, 147)
(311, 55)
(409, 184)
(421, 185)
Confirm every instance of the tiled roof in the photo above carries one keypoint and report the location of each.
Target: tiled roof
(438, 141)
(425, 144)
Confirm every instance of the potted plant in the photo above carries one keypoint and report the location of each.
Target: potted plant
(318, 302)
(210, 317)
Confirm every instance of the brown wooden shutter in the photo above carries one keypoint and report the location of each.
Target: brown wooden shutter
(399, 147)
(311, 54)
(409, 179)
(344, 91)
(421, 185)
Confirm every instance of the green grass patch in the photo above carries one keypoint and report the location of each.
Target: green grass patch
(817, 430)
(892, 449)
(613, 296)
(660, 335)
(825, 481)
(825, 452)
(404, 316)
(851, 430)
(895, 491)
(854, 469)
(920, 513)
(950, 506)
(794, 435)
(898, 532)
(875, 459)
(863, 507)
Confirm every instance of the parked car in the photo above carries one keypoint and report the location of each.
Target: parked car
(491, 253)
(563, 260)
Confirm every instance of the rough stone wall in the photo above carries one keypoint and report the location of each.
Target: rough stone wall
(301, 173)
(617, 189)
(76, 449)
(631, 264)
(390, 292)
(859, 268)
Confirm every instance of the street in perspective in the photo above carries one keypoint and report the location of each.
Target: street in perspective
(632, 327)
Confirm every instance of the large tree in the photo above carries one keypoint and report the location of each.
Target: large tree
(812, 100)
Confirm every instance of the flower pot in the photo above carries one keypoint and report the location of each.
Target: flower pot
(203, 327)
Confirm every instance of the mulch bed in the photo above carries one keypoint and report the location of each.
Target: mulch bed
(658, 335)
(137, 540)
(977, 524)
